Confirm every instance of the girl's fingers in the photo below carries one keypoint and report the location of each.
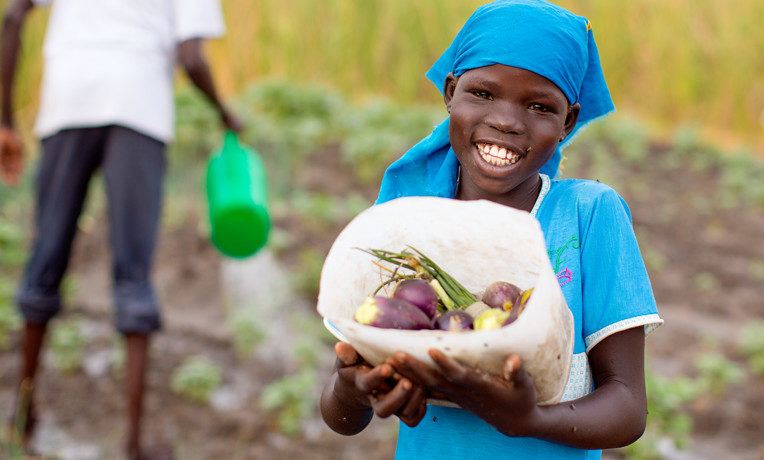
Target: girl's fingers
(374, 379)
(346, 353)
(414, 403)
(417, 417)
(417, 371)
(388, 404)
(450, 368)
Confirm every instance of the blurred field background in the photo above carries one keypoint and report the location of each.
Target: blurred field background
(669, 61)
(331, 92)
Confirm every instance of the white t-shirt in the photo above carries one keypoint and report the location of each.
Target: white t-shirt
(112, 61)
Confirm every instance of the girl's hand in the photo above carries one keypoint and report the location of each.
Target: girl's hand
(387, 393)
(507, 403)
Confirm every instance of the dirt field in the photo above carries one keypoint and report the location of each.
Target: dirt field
(82, 413)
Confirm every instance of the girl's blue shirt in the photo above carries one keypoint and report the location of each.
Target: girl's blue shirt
(593, 250)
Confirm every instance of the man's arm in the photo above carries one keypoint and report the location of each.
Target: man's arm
(11, 154)
(10, 42)
(194, 62)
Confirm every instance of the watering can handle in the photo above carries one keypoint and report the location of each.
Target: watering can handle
(230, 151)
(230, 141)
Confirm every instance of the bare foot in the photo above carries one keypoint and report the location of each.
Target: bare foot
(23, 420)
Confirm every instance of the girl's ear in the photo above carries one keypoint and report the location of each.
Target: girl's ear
(570, 120)
(448, 90)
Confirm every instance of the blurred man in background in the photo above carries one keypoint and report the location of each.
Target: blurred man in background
(106, 103)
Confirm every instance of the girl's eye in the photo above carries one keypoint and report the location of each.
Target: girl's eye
(540, 107)
(482, 94)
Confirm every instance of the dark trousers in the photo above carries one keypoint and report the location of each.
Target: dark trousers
(133, 168)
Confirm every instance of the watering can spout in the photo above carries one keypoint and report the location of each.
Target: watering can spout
(238, 199)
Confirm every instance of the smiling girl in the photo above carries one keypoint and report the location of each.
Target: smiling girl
(519, 81)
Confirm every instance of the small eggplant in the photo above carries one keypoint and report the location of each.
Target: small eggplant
(501, 295)
(388, 313)
(419, 293)
(454, 321)
(491, 319)
(520, 304)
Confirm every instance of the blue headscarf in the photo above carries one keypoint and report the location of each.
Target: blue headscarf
(533, 35)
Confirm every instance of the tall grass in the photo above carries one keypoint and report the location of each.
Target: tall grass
(667, 60)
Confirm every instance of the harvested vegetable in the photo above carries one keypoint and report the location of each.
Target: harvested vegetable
(520, 303)
(419, 293)
(491, 319)
(463, 238)
(451, 293)
(501, 294)
(454, 321)
(423, 284)
(388, 313)
(476, 309)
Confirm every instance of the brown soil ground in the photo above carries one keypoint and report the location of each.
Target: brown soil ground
(89, 409)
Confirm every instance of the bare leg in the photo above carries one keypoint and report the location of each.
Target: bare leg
(137, 359)
(24, 417)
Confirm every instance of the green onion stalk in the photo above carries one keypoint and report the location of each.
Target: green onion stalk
(452, 294)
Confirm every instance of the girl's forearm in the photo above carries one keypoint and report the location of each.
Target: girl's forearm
(611, 416)
(345, 415)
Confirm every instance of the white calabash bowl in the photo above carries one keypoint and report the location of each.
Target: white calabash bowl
(476, 242)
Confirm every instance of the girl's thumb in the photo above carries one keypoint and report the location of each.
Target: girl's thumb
(346, 353)
(512, 366)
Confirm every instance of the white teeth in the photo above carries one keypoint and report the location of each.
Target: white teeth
(495, 155)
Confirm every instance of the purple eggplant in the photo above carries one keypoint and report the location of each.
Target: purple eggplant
(418, 292)
(454, 321)
(520, 303)
(388, 313)
(501, 295)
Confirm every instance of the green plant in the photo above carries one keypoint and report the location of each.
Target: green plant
(291, 398)
(757, 270)
(12, 248)
(290, 119)
(741, 174)
(752, 345)
(654, 259)
(378, 132)
(308, 272)
(705, 282)
(118, 356)
(196, 379)
(309, 324)
(668, 398)
(244, 323)
(666, 401)
(716, 372)
(10, 320)
(322, 210)
(196, 127)
(67, 345)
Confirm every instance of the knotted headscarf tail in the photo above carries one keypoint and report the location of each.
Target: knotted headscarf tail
(534, 35)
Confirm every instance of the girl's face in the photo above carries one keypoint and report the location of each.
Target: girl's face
(505, 124)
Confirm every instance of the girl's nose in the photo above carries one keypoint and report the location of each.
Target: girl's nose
(505, 118)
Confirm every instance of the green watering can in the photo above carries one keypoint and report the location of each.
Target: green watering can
(237, 193)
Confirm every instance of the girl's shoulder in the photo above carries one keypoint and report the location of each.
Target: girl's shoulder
(584, 193)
